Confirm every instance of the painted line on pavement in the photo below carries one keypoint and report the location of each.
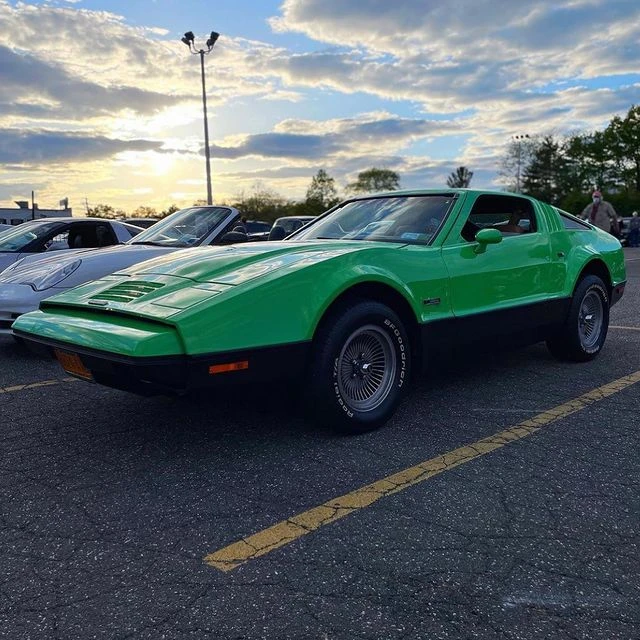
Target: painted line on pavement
(617, 326)
(282, 533)
(35, 385)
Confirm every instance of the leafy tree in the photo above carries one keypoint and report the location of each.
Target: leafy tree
(622, 138)
(460, 178)
(103, 211)
(144, 212)
(172, 208)
(373, 180)
(261, 203)
(543, 177)
(321, 194)
(517, 157)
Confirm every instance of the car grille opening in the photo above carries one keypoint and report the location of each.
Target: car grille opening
(127, 291)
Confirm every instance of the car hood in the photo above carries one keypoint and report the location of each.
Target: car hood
(165, 286)
(113, 258)
(237, 264)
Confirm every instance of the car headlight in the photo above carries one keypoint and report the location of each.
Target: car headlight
(40, 276)
(11, 267)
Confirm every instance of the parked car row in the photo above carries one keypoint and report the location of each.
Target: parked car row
(37, 273)
(347, 306)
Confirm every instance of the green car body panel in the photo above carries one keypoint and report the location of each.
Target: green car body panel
(235, 299)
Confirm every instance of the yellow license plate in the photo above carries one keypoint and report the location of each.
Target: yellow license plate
(72, 364)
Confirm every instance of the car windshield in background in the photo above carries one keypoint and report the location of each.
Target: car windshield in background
(24, 234)
(403, 219)
(186, 228)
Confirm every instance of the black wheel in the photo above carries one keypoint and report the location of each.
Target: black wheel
(360, 367)
(585, 330)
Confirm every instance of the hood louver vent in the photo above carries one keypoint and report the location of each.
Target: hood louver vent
(127, 291)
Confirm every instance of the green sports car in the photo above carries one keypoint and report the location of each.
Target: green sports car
(349, 304)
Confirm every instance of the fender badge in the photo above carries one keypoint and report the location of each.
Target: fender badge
(431, 301)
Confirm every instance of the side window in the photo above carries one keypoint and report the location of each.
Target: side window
(510, 215)
(90, 235)
(105, 235)
(572, 223)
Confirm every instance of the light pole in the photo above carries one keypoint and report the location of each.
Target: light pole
(519, 139)
(188, 40)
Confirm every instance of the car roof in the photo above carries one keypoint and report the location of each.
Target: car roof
(440, 192)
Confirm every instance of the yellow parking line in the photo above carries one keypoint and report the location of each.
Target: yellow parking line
(299, 525)
(617, 326)
(35, 385)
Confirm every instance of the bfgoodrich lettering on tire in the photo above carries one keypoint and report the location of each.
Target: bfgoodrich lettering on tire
(585, 330)
(360, 367)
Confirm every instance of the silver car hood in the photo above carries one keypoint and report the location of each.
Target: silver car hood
(95, 263)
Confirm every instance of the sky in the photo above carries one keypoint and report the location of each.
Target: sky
(101, 102)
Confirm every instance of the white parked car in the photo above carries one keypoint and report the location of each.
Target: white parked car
(32, 279)
(4, 227)
(46, 235)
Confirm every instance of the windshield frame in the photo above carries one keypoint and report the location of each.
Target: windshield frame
(301, 234)
(151, 235)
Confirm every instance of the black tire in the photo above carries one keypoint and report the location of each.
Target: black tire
(360, 367)
(583, 334)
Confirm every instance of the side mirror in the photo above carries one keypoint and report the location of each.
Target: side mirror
(485, 237)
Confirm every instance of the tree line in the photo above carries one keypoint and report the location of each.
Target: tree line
(265, 204)
(564, 170)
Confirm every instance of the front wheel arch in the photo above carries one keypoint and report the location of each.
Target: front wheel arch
(387, 295)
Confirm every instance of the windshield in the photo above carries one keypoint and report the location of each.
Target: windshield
(405, 219)
(23, 234)
(185, 228)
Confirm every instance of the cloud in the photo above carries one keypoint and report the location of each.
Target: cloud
(314, 140)
(35, 147)
(453, 56)
(25, 79)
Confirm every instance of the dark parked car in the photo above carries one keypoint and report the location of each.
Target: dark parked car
(285, 226)
(257, 230)
(145, 223)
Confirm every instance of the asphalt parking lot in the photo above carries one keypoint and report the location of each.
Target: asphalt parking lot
(503, 501)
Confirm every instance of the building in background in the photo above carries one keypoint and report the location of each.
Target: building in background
(24, 212)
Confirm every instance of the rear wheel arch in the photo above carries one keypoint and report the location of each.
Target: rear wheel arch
(595, 267)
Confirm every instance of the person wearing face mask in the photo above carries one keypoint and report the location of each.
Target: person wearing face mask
(634, 230)
(601, 214)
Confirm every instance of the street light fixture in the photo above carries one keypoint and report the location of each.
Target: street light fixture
(519, 139)
(189, 39)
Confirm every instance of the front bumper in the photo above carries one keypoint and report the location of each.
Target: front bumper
(178, 374)
(16, 299)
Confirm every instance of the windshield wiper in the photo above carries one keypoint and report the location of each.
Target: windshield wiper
(150, 243)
